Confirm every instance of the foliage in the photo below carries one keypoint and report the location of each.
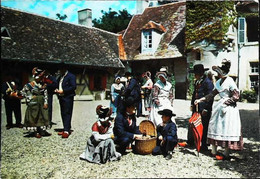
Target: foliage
(113, 21)
(248, 14)
(170, 79)
(208, 20)
(249, 95)
(165, 2)
(191, 79)
(61, 17)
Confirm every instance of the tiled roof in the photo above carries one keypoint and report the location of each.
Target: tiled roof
(170, 16)
(36, 38)
(154, 25)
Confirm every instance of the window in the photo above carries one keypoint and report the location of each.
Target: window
(241, 30)
(252, 29)
(254, 67)
(247, 29)
(4, 33)
(147, 39)
(97, 82)
(254, 81)
(198, 55)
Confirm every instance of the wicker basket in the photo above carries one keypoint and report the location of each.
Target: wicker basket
(146, 146)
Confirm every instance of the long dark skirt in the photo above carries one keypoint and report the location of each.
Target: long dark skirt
(36, 115)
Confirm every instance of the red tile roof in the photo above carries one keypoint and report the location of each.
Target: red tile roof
(171, 17)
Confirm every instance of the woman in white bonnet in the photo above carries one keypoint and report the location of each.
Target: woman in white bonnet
(224, 126)
(162, 97)
(147, 88)
(116, 89)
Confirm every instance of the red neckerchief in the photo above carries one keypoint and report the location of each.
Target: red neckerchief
(97, 127)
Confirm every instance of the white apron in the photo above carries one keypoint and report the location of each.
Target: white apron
(164, 100)
(225, 124)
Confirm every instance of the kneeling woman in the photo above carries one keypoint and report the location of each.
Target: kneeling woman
(100, 146)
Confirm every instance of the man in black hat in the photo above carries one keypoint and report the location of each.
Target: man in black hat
(202, 86)
(166, 135)
(125, 128)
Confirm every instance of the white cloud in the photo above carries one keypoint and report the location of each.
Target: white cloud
(52, 7)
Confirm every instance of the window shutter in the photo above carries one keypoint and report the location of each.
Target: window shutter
(104, 82)
(91, 82)
(241, 30)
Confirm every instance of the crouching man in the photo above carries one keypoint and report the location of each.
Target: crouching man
(167, 135)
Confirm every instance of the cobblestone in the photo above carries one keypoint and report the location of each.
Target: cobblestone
(54, 157)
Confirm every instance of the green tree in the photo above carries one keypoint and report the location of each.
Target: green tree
(61, 17)
(209, 20)
(113, 21)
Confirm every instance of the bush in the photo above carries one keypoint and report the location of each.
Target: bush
(249, 95)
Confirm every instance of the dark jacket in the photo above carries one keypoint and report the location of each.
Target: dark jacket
(68, 85)
(133, 89)
(202, 89)
(5, 87)
(52, 84)
(122, 128)
(169, 130)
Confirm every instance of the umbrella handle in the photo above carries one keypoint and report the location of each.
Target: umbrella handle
(197, 107)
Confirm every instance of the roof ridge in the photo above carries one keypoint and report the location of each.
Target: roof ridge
(181, 1)
(15, 9)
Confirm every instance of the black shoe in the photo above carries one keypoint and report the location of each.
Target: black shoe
(19, 125)
(53, 123)
(9, 126)
(45, 133)
(168, 156)
(204, 148)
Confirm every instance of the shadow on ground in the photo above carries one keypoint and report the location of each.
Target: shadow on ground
(182, 122)
(246, 162)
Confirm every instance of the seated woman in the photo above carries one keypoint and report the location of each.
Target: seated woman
(167, 135)
(100, 146)
(125, 129)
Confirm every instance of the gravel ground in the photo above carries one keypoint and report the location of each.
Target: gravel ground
(54, 157)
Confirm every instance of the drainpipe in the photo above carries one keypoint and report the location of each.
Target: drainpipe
(238, 62)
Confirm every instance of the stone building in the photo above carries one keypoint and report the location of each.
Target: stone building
(29, 40)
(155, 38)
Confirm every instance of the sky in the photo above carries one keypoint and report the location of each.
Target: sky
(50, 8)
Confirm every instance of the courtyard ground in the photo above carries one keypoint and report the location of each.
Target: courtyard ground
(23, 156)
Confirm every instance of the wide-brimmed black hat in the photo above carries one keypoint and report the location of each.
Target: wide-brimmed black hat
(128, 73)
(166, 112)
(198, 69)
(129, 101)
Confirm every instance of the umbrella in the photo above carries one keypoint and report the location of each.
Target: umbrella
(197, 128)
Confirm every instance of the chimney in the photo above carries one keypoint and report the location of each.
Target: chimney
(85, 17)
(141, 5)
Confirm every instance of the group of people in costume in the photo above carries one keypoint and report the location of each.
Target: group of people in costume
(38, 95)
(116, 128)
(221, 122)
